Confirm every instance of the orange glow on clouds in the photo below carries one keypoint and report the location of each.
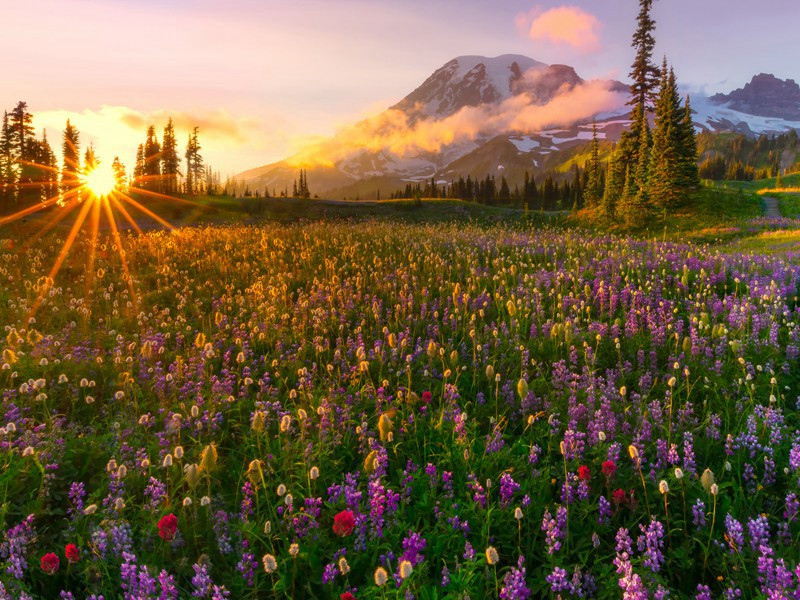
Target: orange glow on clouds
(564, 25)
(393, 131)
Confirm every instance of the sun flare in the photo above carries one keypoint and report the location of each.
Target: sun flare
(100, 180)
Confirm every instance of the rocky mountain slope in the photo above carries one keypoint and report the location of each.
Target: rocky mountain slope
(502, 116)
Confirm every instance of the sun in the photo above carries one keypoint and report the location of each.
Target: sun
(100, 180)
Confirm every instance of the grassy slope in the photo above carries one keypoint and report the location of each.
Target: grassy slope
(715, 215)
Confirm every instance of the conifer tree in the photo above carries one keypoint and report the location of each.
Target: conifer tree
(644, 72)
(119, 172)
(664, 182)
(593, 193)
(23, 148)
(7, 174)
(89, 159)
(645, 76)
(504, 195)
(689, 177)
(138, 168)
(614, 187)
(194, 164)
(49, 172)
(170, 161)
(70, 151)
(152, 161)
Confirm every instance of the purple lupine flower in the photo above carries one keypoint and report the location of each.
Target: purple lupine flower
(204, 587)
(758, 529)
(735, 532)
(15, 547)
(792, 507)
(604, 510)
(699, 513)
(703, 592)
(555, 529)
(631, 583)
(413, 545)
(650, 543)
(169, 590)
(558, 580)
(507, 489)
(469, 552)
(514, 587)
(222, 532)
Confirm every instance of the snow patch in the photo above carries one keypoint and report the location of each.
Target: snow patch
(524, 144)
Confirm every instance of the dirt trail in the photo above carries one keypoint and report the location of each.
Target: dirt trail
(771, 208)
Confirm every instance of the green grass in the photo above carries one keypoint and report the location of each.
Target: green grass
(713, 215)
(790, 180)
(789, 204)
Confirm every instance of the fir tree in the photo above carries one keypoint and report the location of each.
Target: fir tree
(170, 161)
(119, 172)
(23, 149)
(689, 177)
(151, 177)
(504, 195)
(593, 193)
(70, 151)
(614, 187)
(194, 164)
(664, 181)
(138, 168)
(7, 174)
(644, 72)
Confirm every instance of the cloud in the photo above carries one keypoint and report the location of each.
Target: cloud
(564, 25)
(393, 131)
(118, 130)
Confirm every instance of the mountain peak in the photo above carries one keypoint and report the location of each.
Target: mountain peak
(468, 81)
(766, 96)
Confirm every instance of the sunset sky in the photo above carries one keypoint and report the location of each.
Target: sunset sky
(260, 77)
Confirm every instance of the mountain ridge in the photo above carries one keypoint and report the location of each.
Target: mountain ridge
(422, 136)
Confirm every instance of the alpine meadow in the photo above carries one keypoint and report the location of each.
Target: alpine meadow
(522, 334)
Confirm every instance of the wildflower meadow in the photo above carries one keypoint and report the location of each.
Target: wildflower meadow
(381, 409)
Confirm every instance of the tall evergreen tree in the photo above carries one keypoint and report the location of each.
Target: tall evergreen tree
(614, 186)
(152, 161)
(49, 171)
(71, 163)
(593, 193)
(89, 159)
(7, 174)
(644, 72)
(664, 189)
(138, 168)
(689, 178)
(23, 148)
(119, 172)
(170, 161)
(194, 164)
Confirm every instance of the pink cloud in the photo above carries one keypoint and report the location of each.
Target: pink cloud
(563, 25)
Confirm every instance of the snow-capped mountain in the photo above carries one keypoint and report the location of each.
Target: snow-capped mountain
(475, 80)
(765, 96)
(501, 116)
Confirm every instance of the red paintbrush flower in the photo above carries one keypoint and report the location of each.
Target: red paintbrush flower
(584, 473)
(619, 497)
(608, 468)
(50, 563)
(72, 554)
(344, 523)
(168, 527)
